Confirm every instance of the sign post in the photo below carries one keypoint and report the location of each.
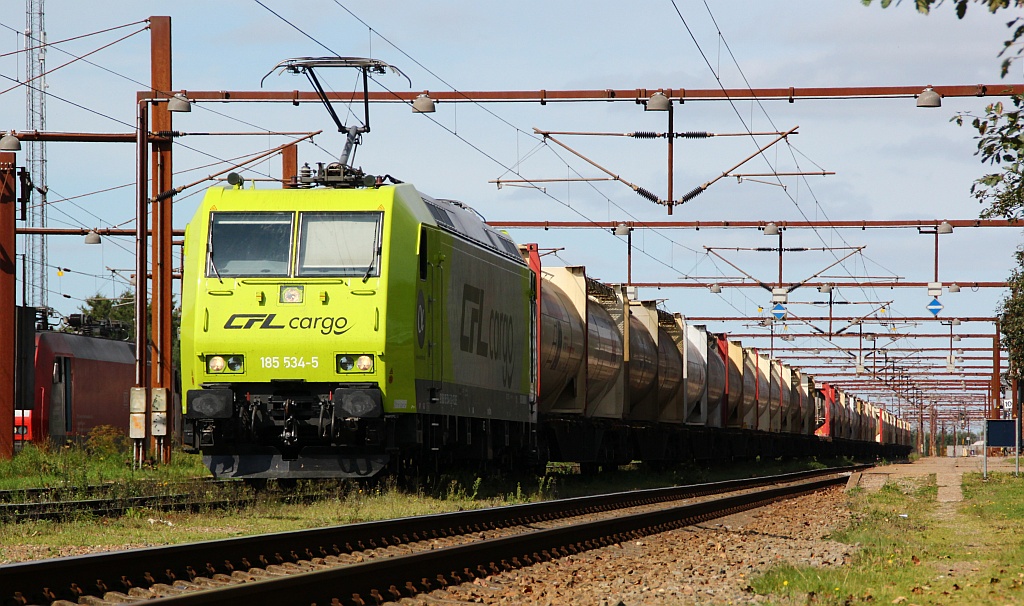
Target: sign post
(1002, 433)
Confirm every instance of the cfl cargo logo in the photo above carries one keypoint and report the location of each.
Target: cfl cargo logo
(500, 343)
(324, 324)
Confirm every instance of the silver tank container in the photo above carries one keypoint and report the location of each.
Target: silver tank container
(562, 343)
(643, 360)
(670, 368)
(604, 351)
(716, 384)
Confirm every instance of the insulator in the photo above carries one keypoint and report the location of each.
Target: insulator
(645, 134)
(305, 172)
(694, 134)
(692, 194)
(643, 193)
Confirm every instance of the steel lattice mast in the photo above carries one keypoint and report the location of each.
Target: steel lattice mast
(35, 158)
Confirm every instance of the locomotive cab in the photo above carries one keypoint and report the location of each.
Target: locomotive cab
(318, 336)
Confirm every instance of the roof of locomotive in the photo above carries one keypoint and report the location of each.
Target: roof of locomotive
(449, 215)
(460, 219)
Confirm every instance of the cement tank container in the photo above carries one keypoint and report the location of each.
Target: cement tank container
(696, 375)
(604, 351)
(775, 400)
(716, 385)
(763, 391)
(670, 369)
(748, 407)
(785, 396)
(562, 345)
(732, 353)
(643, 360)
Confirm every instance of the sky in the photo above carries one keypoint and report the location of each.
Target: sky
(892, 160)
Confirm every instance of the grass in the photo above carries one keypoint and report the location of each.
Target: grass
(104, 458)
(912, 550)
(69, 466)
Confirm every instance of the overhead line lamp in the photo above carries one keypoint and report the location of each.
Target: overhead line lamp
(929, 98)
(92, 237)
(715, 288)
(423, 104)
(658, 103)
(10, 142)
(944, 228)
(179, 103)
(771, 229)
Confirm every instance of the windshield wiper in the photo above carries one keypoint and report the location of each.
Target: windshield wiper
(214, 265)
(376, 253)
(369, 268)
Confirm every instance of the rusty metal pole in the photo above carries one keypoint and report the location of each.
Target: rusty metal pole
(931, 436)
(629, 257)
(994, 412)
(289, 166)
(162, 208)
(138, 429)
(8, 281)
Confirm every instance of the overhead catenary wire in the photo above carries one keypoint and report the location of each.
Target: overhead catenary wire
(454, 133)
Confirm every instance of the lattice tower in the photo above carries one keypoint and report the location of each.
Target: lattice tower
(35, 158)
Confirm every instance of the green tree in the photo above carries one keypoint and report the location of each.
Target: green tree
(1011, 312)
(1000, 145)
(106, 317)
(115, 319)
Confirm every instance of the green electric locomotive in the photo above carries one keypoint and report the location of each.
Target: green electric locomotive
(337, 331)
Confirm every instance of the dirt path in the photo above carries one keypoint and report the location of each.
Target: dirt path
(948, 472)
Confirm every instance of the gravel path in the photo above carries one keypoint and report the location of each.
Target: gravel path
(706, 564)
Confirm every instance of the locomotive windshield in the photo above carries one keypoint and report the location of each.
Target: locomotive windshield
(345, 244)
(249, 244)
(330, 244)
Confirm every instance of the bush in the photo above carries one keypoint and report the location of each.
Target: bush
(106, 441)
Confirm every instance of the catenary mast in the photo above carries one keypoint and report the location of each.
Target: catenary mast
(35, 158)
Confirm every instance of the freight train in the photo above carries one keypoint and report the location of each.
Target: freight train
(343, 327)
(73, 383)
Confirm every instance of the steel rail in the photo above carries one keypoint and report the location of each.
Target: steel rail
(94, 574)
(403, 576)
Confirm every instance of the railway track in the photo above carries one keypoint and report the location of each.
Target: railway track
(66, 503)
(374, 562)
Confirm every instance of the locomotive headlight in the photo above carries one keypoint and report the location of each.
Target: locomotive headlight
(291, 294)
(358, 362)
(215, 364)
(345, 363)
(225, 364)
(364, 363)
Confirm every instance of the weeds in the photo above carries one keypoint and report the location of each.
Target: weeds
(103, 459)
(909, 550)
